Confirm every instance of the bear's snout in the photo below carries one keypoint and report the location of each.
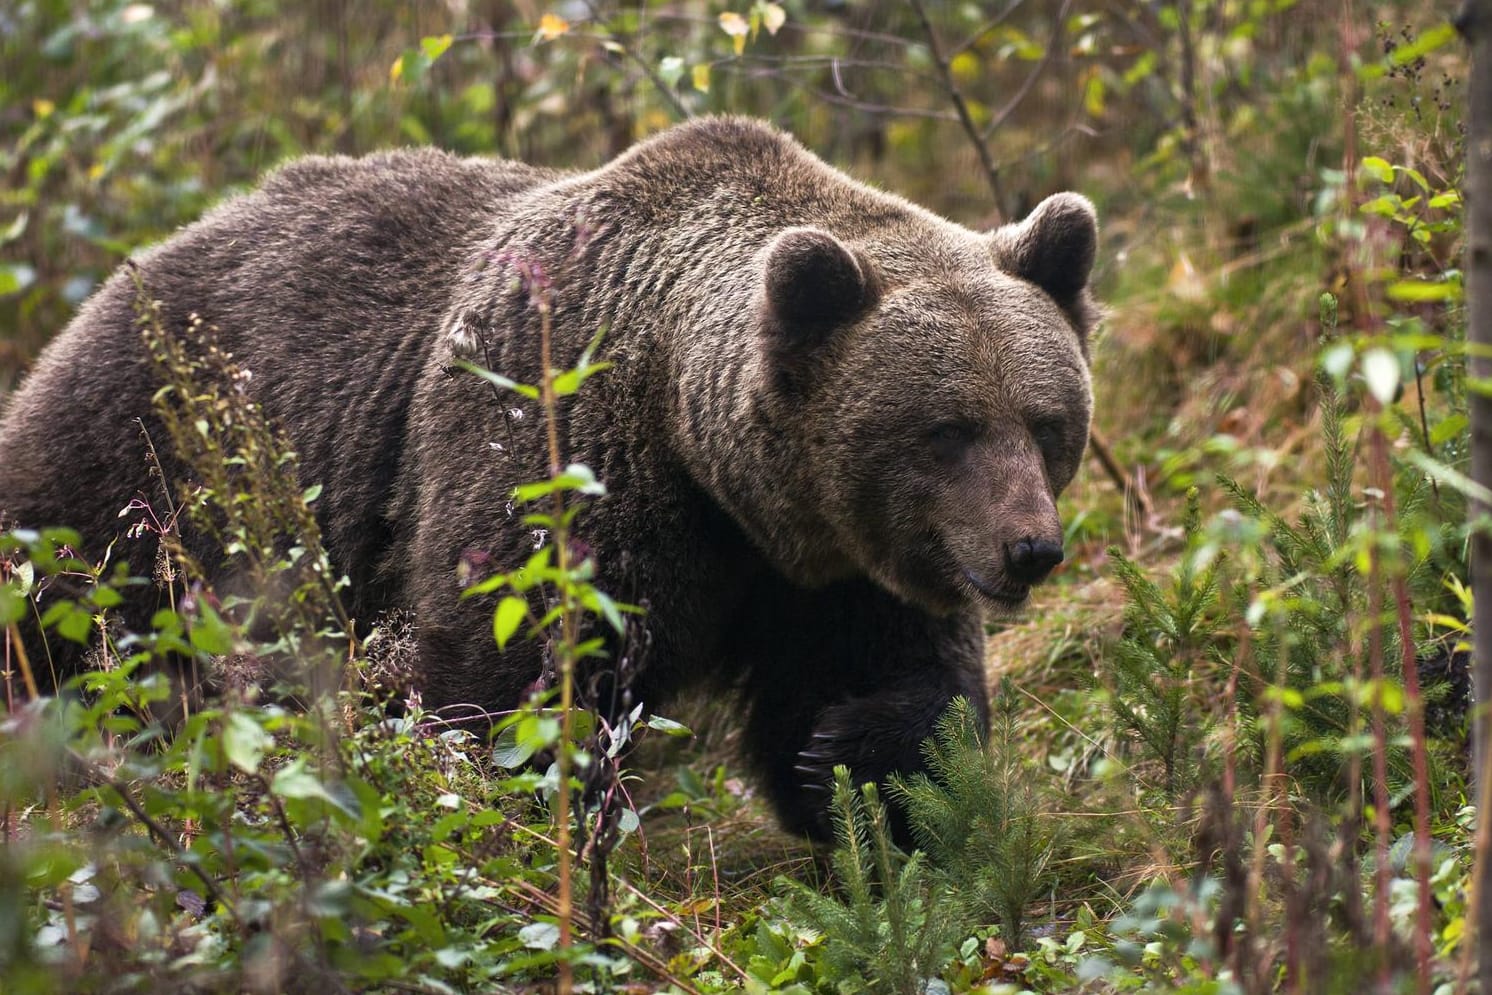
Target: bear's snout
(1029, 560)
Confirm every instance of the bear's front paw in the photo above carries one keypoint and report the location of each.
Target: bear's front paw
(874, 736)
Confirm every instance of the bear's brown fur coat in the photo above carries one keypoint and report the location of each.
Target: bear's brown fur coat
(834, 431)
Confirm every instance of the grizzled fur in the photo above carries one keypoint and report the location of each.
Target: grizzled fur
(833, 435)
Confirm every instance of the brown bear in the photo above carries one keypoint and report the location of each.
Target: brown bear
(832, 437)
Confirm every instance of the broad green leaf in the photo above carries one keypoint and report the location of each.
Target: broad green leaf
(1450, 477)
(245, 742)
(569, 382)
(1448, 429)
(498, 380)
(15, 277)
(1378, 168)
(1421, 291)
(434, 46)
(506, 620)
(668, 726)
(296, 782)
(671, 70)
(1428, 41)
(1415, 176)
(1386, 206)
(508, 753)
(539, 935)
(210, 634)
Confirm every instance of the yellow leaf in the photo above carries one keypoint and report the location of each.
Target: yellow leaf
(396, 70)
(965, 67)
(43, 108)
(1184, 281)
(1093, 94)
(551, 26)
(700, 76)
(773, 17)
(737, 27)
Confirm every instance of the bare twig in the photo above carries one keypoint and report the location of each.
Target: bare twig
(1052, 47)
(961, 106)
(624, 44)
(1121, 478)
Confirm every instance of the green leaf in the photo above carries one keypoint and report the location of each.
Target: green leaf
(576, 477)
(70, 621)
(15, 277)
(245, 742)
(105, 597)
(435, 46)
(1447, 199)
(498, 380)
(539, 935)
(602, 604)
(569, 382)
(296, 782)
(508, 753)
(15, 229)
(1452, 478)
(668, 726)
(1420, 291)
(1414, 175)
(211, 635)
(1379, 169)
(671, 70)
(1428, 41)
(509, 616)
(1386, 205)
(1448, 429)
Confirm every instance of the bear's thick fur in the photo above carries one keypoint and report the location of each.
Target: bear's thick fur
(833, 434)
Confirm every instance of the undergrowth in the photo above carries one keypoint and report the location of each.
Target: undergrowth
(1257, 782)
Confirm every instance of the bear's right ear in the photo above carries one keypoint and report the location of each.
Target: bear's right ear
(813, 282)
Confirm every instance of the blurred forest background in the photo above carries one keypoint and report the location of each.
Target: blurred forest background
(1230, 752)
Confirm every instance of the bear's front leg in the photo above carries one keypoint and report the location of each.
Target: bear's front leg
(849, 675)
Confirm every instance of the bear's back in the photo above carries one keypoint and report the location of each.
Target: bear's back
(327, 283)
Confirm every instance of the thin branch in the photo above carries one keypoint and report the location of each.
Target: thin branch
(961, 106)
(623, 43)
(986, 28)
(1015, 101)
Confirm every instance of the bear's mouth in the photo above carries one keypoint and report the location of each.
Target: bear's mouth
(1005, 595)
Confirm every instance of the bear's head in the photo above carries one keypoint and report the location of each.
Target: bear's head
(935, 382)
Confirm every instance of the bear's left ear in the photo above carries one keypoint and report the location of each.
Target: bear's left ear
(812, 283)
(1053, 248)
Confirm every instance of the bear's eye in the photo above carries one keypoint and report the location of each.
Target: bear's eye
(949, 438)
(1048, 435)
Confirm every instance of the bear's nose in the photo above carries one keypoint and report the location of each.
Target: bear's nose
(1028, 561)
